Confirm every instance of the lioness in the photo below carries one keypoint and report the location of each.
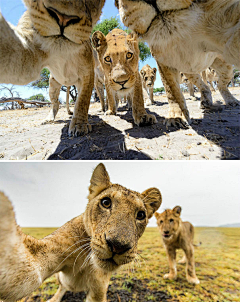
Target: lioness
(187, 36)
(177, 234)
(53, 34)
(148, 75)
(84, 251)
(118, 54)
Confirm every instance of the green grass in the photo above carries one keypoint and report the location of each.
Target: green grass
(217, 266)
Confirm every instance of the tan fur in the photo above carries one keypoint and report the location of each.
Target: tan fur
(187, 36)
(41, 40)
(118, 54)
(84, 251)
(148, 75)
(177, 234)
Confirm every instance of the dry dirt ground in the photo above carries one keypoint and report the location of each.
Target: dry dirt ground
(212, 135)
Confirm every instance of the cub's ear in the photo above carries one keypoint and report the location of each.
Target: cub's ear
(157, 215)
(177, 211)
(99, 181)
(152, 199)
(117, 3)
(154, 70)
(98, 40)
(132, 37)
(142, 73)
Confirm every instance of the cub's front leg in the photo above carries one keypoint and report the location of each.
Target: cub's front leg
(178, 115)
(79, 124)
(172, 275)
(140, 116)
(20, 60)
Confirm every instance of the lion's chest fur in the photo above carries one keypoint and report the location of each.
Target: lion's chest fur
(176, 40)
(69, 64)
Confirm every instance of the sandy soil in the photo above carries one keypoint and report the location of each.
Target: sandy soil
(212, 135)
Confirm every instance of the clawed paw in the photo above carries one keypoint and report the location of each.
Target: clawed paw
(146, 120)
(177, 123)
(77, 129)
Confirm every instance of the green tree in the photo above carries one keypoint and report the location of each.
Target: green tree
(109, 24)
(43, 81)
(38, 97)
(161, 89)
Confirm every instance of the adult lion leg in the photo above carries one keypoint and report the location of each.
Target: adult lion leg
(206, 95)
(67, 101)
(177, 105)
(190, 266)
(79, 124)
(54, 91)
(140, 116)
(172, 275)
(225, 74)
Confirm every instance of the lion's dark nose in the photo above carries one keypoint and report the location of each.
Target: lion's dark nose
(166, 232)
(118, 247)
(62, 19)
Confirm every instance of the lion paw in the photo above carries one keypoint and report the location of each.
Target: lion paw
(233, 102)
(177, 123)
(110, 112)
(145, 120)
(170, 276)
(193, 280)
(78, 128)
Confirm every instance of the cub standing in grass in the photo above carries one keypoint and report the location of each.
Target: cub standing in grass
(177, 234)
(85, 251)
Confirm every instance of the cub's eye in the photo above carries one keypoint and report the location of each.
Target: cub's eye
(108, 59)
(106, 202)
(171, 220)
(161, 221)
(129, 55)
(141, 215)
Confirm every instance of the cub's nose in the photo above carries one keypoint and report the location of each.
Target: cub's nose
(166, 232)
(117, 247)
(62, 19)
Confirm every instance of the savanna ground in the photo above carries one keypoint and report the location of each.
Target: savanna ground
(217, 267)
(212, 135)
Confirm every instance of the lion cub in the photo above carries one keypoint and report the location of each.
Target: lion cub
(85, 251)
(177, 234)
(118, 55)
(148, 75)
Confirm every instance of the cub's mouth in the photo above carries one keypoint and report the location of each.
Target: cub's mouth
(167, 236)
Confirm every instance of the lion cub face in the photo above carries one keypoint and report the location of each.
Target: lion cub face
(115, 219)
(169, 223)
(118, 54)
(70, 20)
(148, 75)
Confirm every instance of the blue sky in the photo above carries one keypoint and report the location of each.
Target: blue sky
(208, 192)
(12, 10)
